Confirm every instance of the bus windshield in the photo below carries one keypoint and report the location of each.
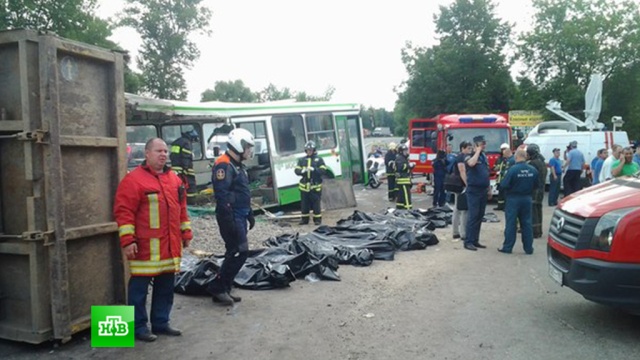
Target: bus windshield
(494, 137)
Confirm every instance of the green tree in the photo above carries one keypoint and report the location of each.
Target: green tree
(303, 96)
(572, 39)
(527, 96)
(272, 93)
(165, 27)
(229, 91)
(467, 72)
(71, 19)
(621, 97)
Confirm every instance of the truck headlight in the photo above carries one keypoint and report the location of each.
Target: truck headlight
(606, 228)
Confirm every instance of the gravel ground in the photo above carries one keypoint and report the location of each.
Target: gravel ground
(207, 239)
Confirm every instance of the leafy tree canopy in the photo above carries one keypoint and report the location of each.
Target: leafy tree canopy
(467, 72)
(229, 91)
(165, 27)
(72, 19)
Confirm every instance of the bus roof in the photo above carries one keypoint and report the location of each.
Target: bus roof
(225, 109)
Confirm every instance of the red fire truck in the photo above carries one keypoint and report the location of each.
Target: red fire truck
(426, 136)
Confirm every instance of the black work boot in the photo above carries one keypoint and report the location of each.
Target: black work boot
(222, 298)
(304, 221)
(234, 297)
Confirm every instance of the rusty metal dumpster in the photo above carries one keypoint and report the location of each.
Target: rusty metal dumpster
(62, 153)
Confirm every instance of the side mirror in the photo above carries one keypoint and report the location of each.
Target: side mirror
(216, 151)
(519, 135)
(449, 137)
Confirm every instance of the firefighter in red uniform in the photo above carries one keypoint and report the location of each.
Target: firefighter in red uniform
(151, 211)
(233, 210)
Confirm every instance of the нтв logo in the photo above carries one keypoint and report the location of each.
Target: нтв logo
(112, 326)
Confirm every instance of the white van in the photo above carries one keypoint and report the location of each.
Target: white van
(558, 134)
(382, 132)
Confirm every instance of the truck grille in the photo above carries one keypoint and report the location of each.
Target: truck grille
(566, 228)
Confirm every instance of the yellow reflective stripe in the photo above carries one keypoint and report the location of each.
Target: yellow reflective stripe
(154, 248)
(317, 215)
(185, 151)
(305, 187)
(185, 226)
(144, 268)
(154, 211)
(175, 149)
(148, 263)
(127, 229)
(323, 167)
(403, 181)
(176, 168)
(191, 172)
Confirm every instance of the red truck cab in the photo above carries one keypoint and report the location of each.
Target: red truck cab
(594, 243)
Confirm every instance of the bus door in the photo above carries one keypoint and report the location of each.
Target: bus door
(351, 148)
(262, 180)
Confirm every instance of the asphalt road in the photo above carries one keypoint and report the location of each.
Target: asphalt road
(440, 303)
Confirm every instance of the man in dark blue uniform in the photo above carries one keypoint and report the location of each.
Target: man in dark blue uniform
(537, 161)
(233, 210)
(519, 184)
(390, 167)
(311, 168)
(478, 192)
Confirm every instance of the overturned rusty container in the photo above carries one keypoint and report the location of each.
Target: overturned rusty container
(62, 153)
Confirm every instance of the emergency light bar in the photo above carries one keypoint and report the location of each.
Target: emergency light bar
(470, 119)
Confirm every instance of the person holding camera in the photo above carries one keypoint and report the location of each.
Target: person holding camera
(478, 192)
(575, 164)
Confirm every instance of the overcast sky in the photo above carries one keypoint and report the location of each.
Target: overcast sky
(352, 45)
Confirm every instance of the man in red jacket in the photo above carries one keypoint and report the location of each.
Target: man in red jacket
(151, 212)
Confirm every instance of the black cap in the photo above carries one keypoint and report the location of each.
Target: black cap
(479, 138)
(556, 149)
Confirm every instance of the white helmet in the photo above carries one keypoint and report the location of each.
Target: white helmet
(240, 140)
(392, 146)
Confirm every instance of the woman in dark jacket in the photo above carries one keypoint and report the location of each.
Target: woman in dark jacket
(439, 172)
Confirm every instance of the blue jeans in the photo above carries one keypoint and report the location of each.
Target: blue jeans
(554, 191)
(161, 301)
(477, 202)
(518, 209)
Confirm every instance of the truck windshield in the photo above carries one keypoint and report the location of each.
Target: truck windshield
(494, 137)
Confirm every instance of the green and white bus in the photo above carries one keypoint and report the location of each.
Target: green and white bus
(280, 128)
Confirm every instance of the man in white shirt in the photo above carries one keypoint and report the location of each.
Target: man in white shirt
(605, 173)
